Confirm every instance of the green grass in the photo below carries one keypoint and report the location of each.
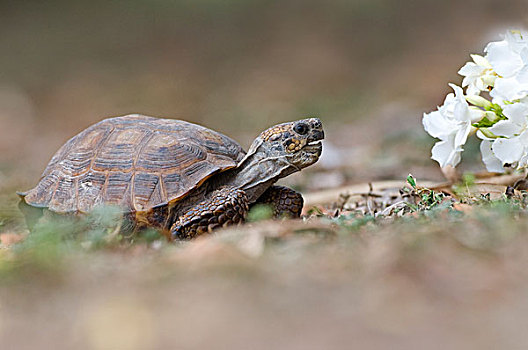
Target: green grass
(428, 216)
(427, 266)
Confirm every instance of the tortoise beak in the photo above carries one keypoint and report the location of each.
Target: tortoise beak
(316, 135)
(314, 145)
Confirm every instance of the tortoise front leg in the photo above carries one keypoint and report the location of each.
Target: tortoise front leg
(226, 206)
(284, 201)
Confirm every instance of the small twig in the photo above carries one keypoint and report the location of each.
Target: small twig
(387, 211)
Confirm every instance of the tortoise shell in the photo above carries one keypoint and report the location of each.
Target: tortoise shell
(135, 162)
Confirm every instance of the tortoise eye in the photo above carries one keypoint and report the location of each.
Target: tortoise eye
(301, 128)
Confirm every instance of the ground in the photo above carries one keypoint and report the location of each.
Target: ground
(382, 264)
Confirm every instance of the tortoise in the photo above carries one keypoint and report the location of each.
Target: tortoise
(182, 178)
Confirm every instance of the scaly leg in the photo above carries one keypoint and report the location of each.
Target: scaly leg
(226, 206)
(284, 201)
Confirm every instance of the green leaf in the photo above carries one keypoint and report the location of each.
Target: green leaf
(484, 123)
(411, 181)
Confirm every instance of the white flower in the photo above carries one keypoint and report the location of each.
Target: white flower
(478, 75)
(512, 151)
(504, 73)
(504, 56)
(451, 123)
(512, 145)
(517, 122)
(493, 164)
(510, 89)
(446, 152)
(509, 59)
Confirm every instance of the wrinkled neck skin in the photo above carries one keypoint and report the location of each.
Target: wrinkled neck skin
(256, 173)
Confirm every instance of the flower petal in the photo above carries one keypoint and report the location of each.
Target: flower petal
(445, 154)
(503, 60)
(508, 89)
(471, 69)
(481, 61)
(505, 128)
(459, 106)
(523, 138)
(437, 125)
(517, 113)
(493, 164)
(508, 150)
(522, 76)
(473, 89)
(462, 134)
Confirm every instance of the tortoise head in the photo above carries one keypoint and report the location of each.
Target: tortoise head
(296, 143)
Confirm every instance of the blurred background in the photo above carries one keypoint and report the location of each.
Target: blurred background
(368, 68)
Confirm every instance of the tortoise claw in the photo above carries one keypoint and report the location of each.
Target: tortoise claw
(284, 201)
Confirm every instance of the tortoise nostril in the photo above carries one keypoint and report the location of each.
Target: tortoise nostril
(316, 123)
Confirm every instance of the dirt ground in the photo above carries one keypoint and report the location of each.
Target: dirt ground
(287, 285)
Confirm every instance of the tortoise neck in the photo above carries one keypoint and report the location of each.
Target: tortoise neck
(257, 173)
